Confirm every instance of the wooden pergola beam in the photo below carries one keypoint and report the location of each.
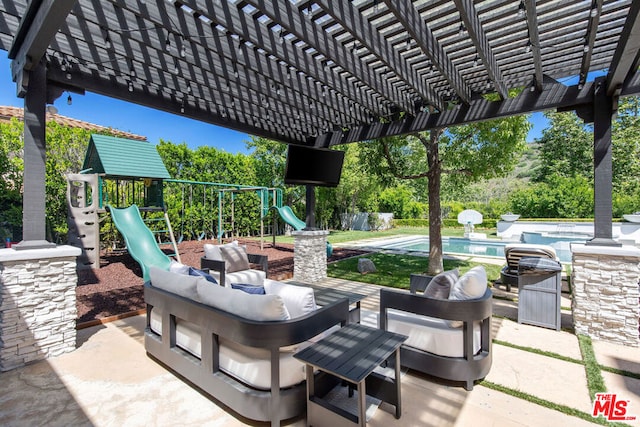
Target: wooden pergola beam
(485, 54)
(369, 37)
(38, 27)
(410, 18)
(592, 30)
(625, 59)
(534, 42)
(553, 96)
(294, 22)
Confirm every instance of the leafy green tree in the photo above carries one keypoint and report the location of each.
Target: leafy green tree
(11, 173)
(397, 200)
(565, 148)
(626, 148)
(560, 197)
(465, 153)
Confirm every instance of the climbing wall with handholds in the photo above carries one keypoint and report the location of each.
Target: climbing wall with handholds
(82, 218)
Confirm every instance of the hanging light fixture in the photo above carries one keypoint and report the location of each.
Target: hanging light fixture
(521, 9)
(167, 42)
(527, 48)
(69, 100)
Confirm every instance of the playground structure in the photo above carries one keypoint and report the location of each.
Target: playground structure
(119, 173)
(112, 173)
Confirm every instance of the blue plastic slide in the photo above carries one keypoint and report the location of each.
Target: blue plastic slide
(140, 241)
(289, 217)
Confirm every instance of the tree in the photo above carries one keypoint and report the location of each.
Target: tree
(566, 148)
(465, 153)
(626, 147)
(11, 167)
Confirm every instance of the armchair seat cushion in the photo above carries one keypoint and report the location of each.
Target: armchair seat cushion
(430, 334)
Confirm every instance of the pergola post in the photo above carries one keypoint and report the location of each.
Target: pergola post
(603, 108)
(310, 208)
(33, 203)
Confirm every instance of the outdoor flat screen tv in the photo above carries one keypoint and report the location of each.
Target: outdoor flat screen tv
(314, 166)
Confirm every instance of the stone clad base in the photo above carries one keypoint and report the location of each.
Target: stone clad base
(605, 284)
(310, 255)
(37, 304)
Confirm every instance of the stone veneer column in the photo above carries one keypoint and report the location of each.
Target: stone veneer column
(37, 304)
(605, 285)
(310, 255)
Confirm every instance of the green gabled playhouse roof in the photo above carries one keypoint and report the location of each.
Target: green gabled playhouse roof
(121, 157)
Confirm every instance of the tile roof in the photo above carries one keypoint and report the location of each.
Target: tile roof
(7, 113)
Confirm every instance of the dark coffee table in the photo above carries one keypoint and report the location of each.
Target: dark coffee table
(351, 354)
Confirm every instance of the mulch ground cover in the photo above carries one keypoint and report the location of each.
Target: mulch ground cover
(116, 287)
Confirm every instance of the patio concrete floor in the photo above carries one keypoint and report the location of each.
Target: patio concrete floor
(110, 381)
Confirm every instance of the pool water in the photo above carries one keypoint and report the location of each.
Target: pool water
(456, 245)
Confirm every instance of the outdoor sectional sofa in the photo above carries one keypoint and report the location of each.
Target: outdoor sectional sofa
(449, 325)
(238, 347)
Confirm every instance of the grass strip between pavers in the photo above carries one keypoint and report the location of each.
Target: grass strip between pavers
(567, 410)
(622, 372)
(538, 351)
(595, 382)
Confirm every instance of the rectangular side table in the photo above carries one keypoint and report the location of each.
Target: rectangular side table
(351, 354)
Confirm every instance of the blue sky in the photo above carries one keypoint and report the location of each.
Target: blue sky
(153, 124)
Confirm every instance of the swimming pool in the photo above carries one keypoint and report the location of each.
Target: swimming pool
(457, 245)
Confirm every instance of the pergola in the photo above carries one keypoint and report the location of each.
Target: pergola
(322, 73)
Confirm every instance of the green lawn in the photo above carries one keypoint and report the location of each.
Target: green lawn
(394, 270)
(338, 236)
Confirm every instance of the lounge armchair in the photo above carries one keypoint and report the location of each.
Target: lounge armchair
(449, 335)
(230, 263)
(513, 252)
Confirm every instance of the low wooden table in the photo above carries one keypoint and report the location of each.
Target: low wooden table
(351, 354)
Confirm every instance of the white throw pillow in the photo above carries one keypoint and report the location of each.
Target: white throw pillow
(176, 267)
(253, 307)
(299, 300)
(213, 251)
(472, 285)
(179, 284)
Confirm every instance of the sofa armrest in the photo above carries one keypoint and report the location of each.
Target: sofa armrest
(261, 260)
(466, 311)
(418, 282)
(214, 265)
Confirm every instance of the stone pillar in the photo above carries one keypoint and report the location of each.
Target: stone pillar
(37, 304)
(606, 296)
(310, 255)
